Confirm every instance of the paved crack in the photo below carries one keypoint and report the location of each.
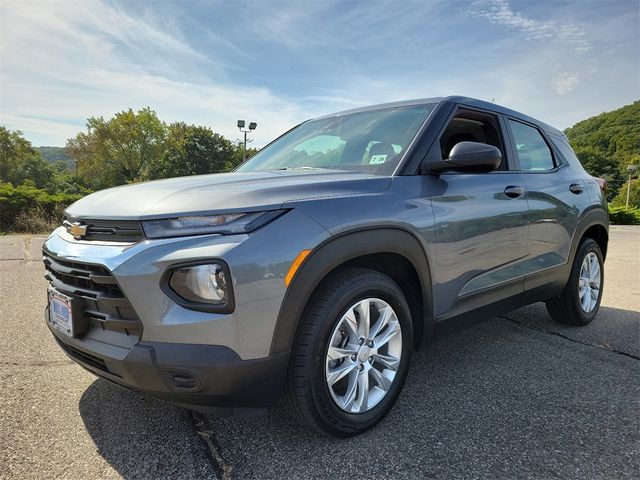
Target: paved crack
(574, 340)
(222, 469)
(50, 363)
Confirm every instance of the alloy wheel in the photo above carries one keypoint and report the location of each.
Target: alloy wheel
(589, 282)
(363, 355)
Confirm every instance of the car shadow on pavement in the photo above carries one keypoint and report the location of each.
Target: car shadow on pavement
(508, 398)
(141, 437)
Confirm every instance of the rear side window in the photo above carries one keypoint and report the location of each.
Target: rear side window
(533, 152)
(566, 152)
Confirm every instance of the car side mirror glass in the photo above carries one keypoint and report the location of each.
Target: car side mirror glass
(469, 157)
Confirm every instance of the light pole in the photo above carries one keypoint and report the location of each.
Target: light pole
(252, 126)
(630, 169)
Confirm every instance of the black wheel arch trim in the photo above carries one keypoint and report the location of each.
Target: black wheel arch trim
(338, 250)
(595, 216)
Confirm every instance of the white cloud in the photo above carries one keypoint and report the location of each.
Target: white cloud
(501, 13)
(562, 71)
(564, 82)
(64, 62)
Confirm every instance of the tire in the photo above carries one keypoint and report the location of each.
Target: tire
(568, 308)
(340, 409)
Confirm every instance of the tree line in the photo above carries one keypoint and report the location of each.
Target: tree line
(606, 145)
(129, 147)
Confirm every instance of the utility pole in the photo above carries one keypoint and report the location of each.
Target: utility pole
(630, 169)
(252, 126)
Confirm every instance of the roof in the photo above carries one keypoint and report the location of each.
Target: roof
(472, 102)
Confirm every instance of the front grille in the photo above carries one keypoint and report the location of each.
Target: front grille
(127, 231)
(96, 292)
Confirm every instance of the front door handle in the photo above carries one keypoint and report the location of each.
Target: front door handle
(576, 188)
(514, 191)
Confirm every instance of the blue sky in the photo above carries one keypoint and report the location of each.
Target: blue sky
(278, 63)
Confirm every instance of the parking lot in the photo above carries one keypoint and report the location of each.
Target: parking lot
(516, 397)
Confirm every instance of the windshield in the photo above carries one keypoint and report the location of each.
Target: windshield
(371, 142)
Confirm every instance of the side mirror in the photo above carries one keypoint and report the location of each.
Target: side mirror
(469, 157)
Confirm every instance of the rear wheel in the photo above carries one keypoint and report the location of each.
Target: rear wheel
(352, 353)
(580, 301)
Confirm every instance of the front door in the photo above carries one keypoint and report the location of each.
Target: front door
(481, 224)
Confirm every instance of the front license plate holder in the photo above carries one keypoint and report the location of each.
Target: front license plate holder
(62, 313)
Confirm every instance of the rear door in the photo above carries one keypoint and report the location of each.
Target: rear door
(556, 196)
(481, 221)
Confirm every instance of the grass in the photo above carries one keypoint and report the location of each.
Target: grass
(36, 221)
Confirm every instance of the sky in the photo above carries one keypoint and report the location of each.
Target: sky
(279, 63)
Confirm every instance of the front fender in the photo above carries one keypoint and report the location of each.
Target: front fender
(337, 251)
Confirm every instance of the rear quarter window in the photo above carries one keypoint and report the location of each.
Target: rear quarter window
(567, 155)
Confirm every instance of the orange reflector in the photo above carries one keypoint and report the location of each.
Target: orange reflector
(295, 266)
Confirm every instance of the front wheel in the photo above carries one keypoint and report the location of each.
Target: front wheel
(352, 353)
(580, 301)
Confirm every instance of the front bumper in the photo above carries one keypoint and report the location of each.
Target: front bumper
(208, 378)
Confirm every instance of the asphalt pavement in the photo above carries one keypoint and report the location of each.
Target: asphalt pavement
(516, 397)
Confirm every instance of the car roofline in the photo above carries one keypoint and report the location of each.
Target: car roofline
(383, 106)
(468, 101)
(474, 102)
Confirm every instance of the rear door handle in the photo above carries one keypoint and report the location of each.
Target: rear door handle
(576, 188)
(514, 191)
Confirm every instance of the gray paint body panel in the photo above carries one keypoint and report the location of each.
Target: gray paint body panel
(228, 192)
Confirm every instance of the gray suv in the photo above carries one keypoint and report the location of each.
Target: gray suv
(313, 271)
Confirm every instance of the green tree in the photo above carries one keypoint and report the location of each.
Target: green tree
(595, 162)
(35, 169)
(118, 150)
(607, 143)
(237, 158)
(65, 181)
(634, 195)
(19, 161)
(192, 150)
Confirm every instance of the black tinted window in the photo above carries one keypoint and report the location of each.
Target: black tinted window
(533, 152)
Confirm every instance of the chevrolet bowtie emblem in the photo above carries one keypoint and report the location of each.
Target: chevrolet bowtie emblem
(77, 230)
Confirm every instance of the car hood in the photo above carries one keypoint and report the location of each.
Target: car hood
(226, 192)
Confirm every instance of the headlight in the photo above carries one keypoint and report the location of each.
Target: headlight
(200, 283)
(226, 224)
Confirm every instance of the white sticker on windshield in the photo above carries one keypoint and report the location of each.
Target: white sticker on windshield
(375, 159)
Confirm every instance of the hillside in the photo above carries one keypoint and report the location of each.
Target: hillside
(608, 142)
(56, 154)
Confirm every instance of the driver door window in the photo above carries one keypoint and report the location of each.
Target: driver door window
(471, 126)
